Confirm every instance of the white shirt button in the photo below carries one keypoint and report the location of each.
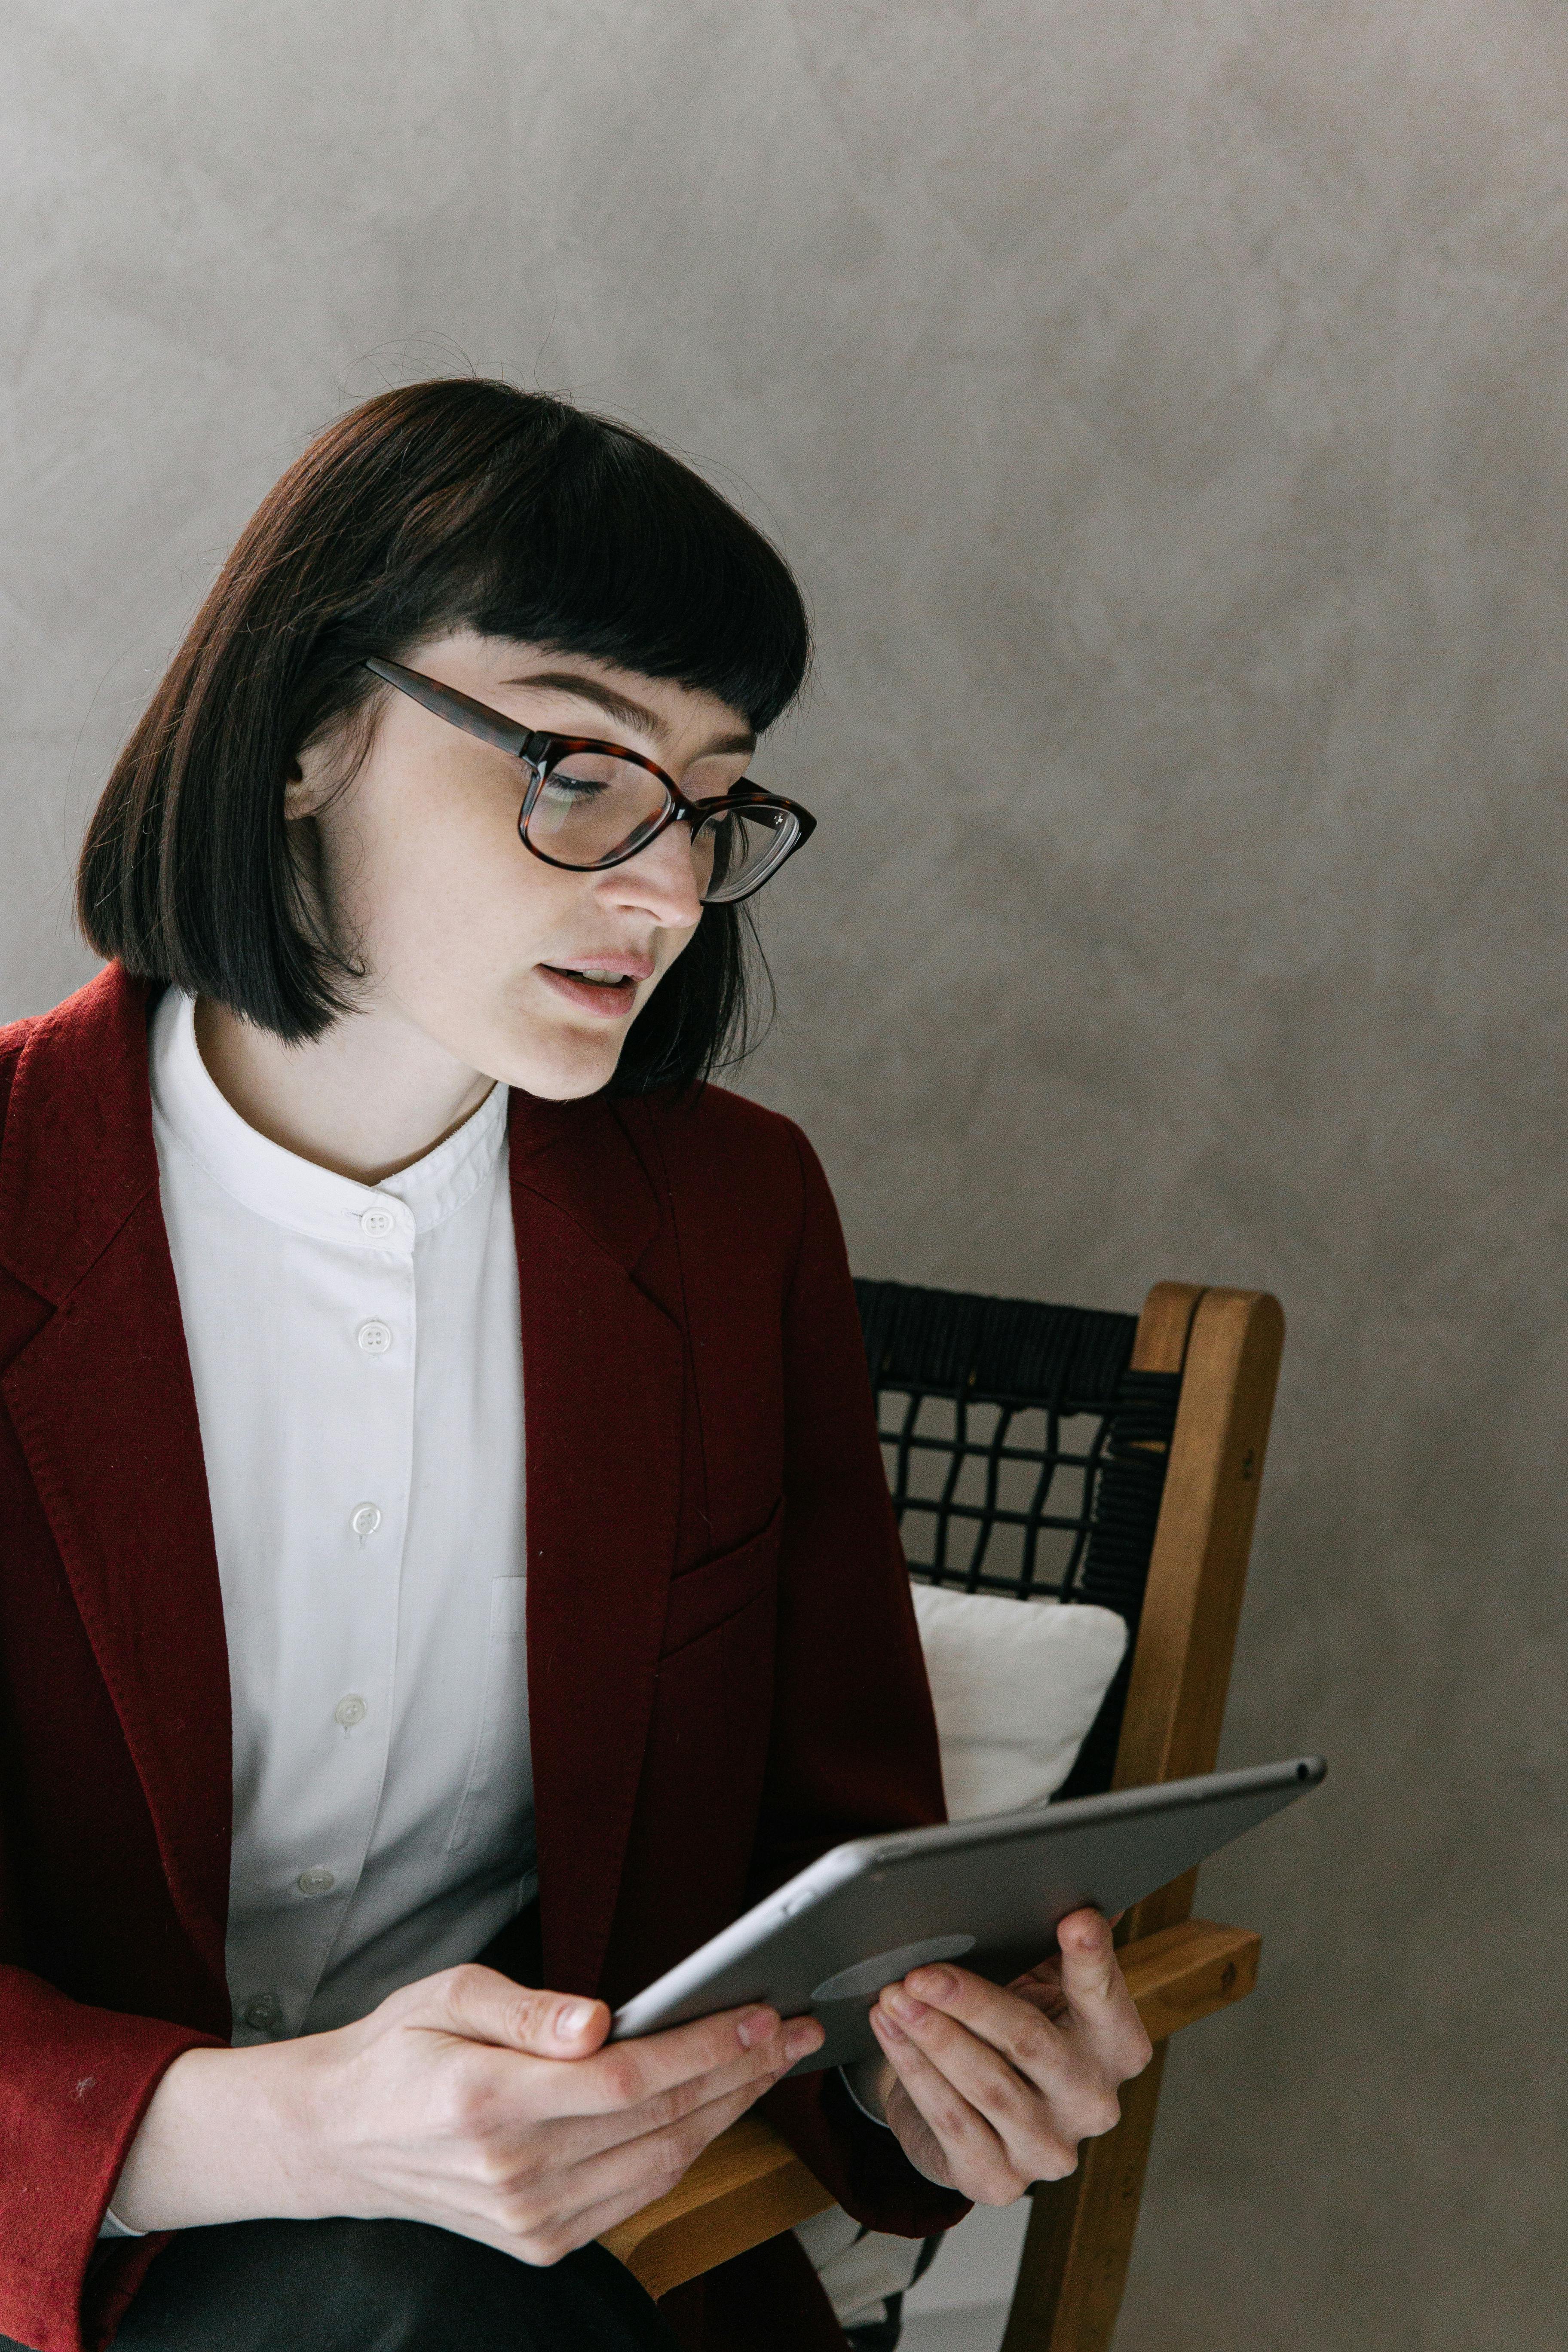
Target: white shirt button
(374, 1338)
(376, 1223)
(262, 2012)
(316, 1882)
(350, 1710)
(365, 1520)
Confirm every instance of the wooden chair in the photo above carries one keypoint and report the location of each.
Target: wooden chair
(1142, 1496)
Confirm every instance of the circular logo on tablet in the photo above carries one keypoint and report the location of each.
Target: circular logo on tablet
(887, 1967)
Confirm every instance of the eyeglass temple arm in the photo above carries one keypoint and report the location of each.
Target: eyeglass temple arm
(461, 711)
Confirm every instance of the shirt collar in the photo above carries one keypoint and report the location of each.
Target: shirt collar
(288, 1191)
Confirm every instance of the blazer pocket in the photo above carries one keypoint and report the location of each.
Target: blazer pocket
(702, 1597)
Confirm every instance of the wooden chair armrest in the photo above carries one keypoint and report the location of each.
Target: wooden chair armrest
(1188, 1972)
(750, 2184)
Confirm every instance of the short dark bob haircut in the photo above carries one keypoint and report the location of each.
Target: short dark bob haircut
(455, 503)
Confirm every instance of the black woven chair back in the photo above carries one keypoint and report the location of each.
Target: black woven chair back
(1024, 1456)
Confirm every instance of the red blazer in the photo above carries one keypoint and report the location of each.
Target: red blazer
(724, 1675)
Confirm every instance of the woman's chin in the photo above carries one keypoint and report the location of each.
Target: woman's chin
(567, 1065)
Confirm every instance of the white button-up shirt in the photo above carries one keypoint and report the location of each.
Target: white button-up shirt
(358, 1366)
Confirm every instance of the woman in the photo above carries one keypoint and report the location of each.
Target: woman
(334, 1728)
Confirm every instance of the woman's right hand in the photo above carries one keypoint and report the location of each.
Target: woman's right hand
(465, 2100)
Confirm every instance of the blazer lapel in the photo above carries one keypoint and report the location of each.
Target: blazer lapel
(103, 1405)
(603, 1374)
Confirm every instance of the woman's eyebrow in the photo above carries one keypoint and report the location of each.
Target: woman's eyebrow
(621, 707)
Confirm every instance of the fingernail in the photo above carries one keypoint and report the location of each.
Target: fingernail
(802, 2039)
(884, 2025)
(756, 2026)
(903, 2005)
(573, 2020)
(934, 1984)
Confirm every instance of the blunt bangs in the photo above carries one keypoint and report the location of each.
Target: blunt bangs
(640, 564)
(456, 503)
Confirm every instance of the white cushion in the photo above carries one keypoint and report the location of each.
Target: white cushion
(1015, 1685)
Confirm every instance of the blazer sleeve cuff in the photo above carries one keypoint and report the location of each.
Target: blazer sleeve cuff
(75, 2083)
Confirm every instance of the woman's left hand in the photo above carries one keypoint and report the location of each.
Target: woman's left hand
(990, 2088)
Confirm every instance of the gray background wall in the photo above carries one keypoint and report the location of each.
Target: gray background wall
(1165, 407)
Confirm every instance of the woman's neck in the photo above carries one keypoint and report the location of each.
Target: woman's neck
(369, 1096)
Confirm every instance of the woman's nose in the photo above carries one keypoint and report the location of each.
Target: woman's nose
(660, 880)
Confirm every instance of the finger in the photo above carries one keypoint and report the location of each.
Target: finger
(609, 2187)
(669, 2149)
(482, 2005)
(629, 2078)
(974, 2156)
(597, 2127)
(1102, 2008)
(1048, 2037)
(1015, 2026)
(1040, 2110)
(1075, 2065)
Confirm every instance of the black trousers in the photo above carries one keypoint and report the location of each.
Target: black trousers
(379, 2286)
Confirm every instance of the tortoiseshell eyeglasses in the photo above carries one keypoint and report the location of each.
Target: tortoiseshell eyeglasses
(588, 806)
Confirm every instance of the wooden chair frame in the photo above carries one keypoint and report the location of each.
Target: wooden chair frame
(750, 2185)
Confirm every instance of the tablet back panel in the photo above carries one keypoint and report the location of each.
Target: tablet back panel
(988, 1894)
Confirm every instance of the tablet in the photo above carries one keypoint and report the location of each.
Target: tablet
(985, 1893)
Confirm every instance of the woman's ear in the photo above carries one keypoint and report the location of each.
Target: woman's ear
(327, 764)
(306, 784)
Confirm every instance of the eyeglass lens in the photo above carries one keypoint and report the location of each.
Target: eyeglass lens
(594, 810)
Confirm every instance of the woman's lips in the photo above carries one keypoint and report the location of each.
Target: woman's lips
(606, 1000)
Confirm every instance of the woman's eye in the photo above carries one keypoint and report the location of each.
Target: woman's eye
(564, 787)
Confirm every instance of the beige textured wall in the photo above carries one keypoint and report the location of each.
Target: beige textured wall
(1166, 406)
